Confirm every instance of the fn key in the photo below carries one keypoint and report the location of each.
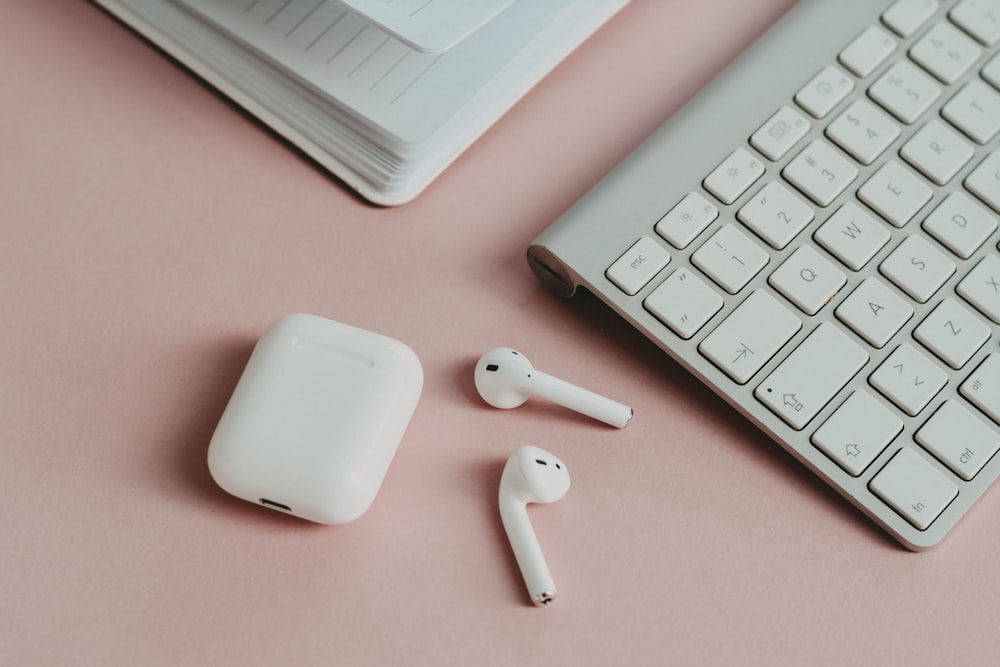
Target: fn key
(914, 488)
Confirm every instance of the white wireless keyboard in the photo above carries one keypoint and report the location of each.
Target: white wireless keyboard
(815, 236)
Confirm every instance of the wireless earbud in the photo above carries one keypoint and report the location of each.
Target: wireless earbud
(531, 475)
(506, 379)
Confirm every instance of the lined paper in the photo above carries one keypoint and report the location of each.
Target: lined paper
(428, 25)
(407, 93)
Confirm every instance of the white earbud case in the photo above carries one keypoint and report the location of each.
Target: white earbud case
(315, 419)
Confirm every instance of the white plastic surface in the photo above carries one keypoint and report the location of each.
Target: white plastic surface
(506, 379)
(531, 475)
(315, 419)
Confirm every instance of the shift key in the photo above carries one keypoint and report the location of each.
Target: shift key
(811, 375)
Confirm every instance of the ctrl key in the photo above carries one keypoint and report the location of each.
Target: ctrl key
(914, 488)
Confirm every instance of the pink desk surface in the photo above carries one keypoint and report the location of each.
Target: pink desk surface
(150, 232)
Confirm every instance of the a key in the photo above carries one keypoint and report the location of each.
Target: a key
(684, 302)
(937, 151)
(982, 388)
(811, 375)
(775, 214)
(874, 312)
(905, 92)
(908, 379)
(960, 224)
(820, 173)
(991, 71)
(905, 17)
(913, 487)
(959, 439)
(895, 193)
(730, 258)
(867, 51)
(808, 280)
(952, 333)
(863, 131)
(852, 236)
(857, 432)
(981, 287)
(917, 268)
(984, 181)
(781, 131)
(732, 178)
(824, 91)
(979, 18)
(686, 220)
(975, 110)
(945, 52)
(750, 336)
(638, 265)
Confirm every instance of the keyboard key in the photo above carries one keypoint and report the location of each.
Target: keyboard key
(981, 287)
(852, 236)
(937, 151)
(633, 270)
(913, 487)
(895, 193)
(908, 379)
(807, 280)
(730, 258)
(991, 72)
(775, 214)
(811, 375)
(917, 268)
(732, 178)
(857, 432)
(867, 51)
(781, 131)
(820, 173)
(952, 333)
(984, 181)
(979, 18)
(975, 110)
(686, 220)
(905, 92)
(750, 336)
(960, 224)
(959, 439)
(824, 91)
(684, 302)
(863, 131)
(874, 312)
(983, 387)
(945, 52)
(905, 17)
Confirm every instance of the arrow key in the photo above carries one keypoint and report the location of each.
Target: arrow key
(909, 379)
(857, 432)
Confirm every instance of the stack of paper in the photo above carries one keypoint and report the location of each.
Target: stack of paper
(383, 93)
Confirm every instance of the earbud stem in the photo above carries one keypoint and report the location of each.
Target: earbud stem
(581, 400)
(527, 551)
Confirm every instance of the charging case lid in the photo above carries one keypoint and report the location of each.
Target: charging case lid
(315, 419)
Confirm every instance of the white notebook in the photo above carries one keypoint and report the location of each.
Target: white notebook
(383, 93)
